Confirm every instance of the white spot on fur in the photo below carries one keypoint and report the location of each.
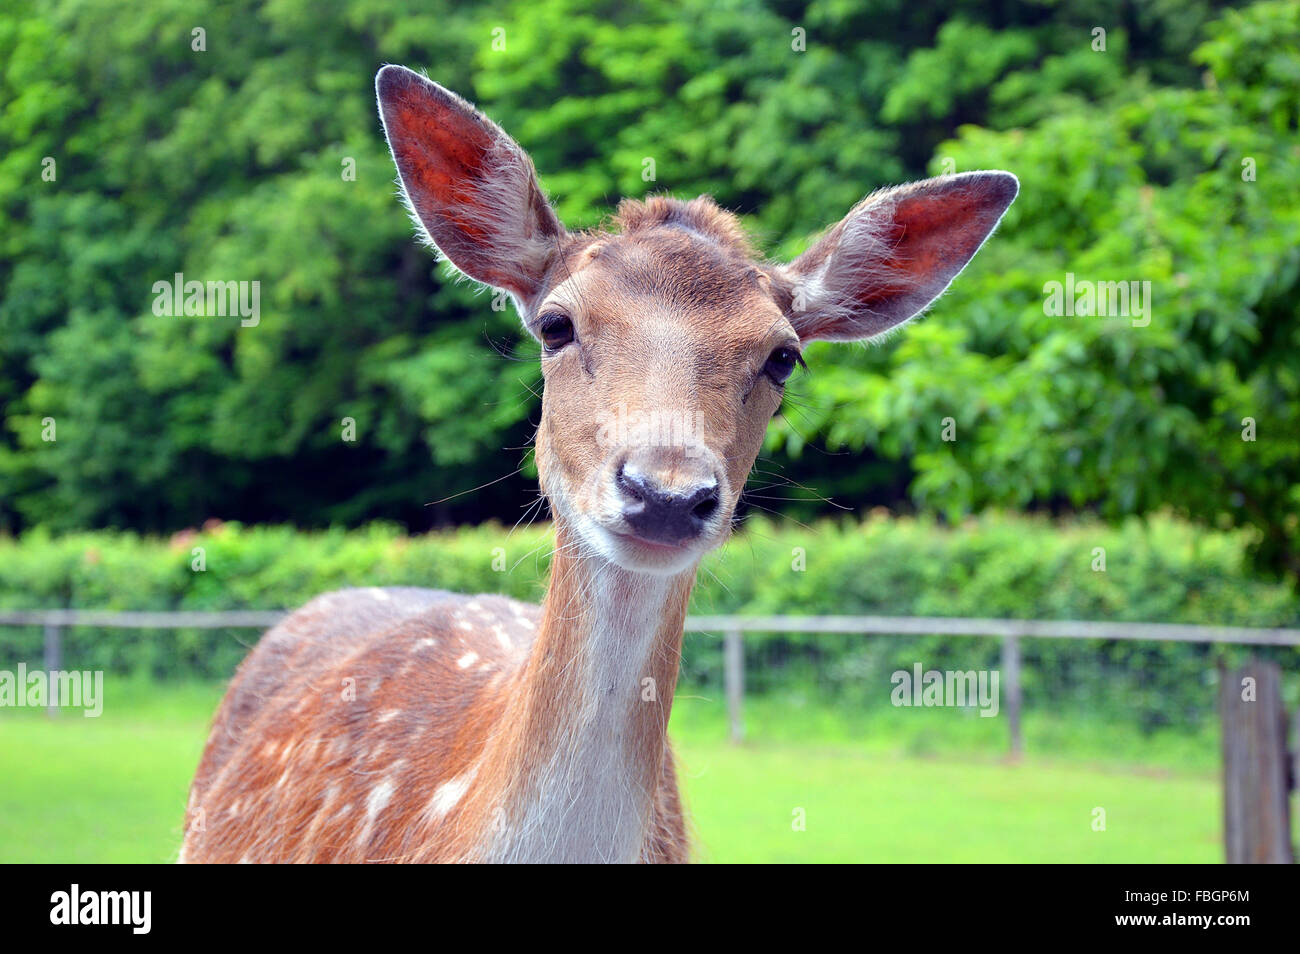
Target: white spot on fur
(464, 662)
(448, 795)
(389, 716)
(375, 802)
(502, 638)
(379, 796)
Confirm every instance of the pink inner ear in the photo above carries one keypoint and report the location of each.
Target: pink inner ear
(896, 252)
(935, 234)
(470, 185)
(440, 152)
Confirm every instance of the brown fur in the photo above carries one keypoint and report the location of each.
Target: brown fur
(293, 756)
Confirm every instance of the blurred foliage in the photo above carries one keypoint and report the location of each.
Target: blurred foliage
(1015, 567)
(228, 164)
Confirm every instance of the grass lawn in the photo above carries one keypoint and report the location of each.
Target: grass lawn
(893, 786)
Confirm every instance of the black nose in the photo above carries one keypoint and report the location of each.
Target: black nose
(665, 516)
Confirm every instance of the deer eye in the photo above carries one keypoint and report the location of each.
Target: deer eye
(780, 364)
(556, 330)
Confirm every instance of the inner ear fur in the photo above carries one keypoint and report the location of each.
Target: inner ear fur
(892, 255)
(472, 191)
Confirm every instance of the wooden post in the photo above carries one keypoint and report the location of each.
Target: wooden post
(1295, 753)
(734, 666)
(1256, 809)
(1011, 691)
(53, 663)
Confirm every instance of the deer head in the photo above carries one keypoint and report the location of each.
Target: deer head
(666, 343)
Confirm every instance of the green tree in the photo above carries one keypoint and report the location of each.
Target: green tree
(1196, 191)
(233, 162)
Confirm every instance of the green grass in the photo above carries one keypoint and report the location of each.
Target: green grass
(893, 785)
(899, 808)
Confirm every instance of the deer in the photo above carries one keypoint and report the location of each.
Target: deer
(416, 725)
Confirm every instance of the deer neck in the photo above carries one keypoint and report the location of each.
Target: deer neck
(584, 729)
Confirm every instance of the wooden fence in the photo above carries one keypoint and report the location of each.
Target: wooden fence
(1258, 770)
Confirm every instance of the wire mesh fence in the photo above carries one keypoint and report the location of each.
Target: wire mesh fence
(849, 674)
(1150, 685)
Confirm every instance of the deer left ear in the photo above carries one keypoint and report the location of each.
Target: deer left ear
(893, 254)
(470, 187)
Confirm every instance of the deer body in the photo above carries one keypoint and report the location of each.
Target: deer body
(416, 725)
(392, 724)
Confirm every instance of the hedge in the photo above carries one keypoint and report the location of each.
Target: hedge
(1158, 570)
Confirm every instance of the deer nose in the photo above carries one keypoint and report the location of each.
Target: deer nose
(662, 515)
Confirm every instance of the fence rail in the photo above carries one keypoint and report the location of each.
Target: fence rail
(732, 628)
(847, 625)
(956, 626)
(148, 619)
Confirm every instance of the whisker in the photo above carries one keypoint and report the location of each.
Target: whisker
(479, 487)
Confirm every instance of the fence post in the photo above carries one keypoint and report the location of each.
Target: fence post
(1256, 809)
(734, 666)
(1295, 752)
(1011, 679)
(53, 663)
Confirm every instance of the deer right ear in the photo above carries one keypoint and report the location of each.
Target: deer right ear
(893, 254)
(471, 190)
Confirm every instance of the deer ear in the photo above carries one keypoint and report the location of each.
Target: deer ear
(471, 190)
(893, 254)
